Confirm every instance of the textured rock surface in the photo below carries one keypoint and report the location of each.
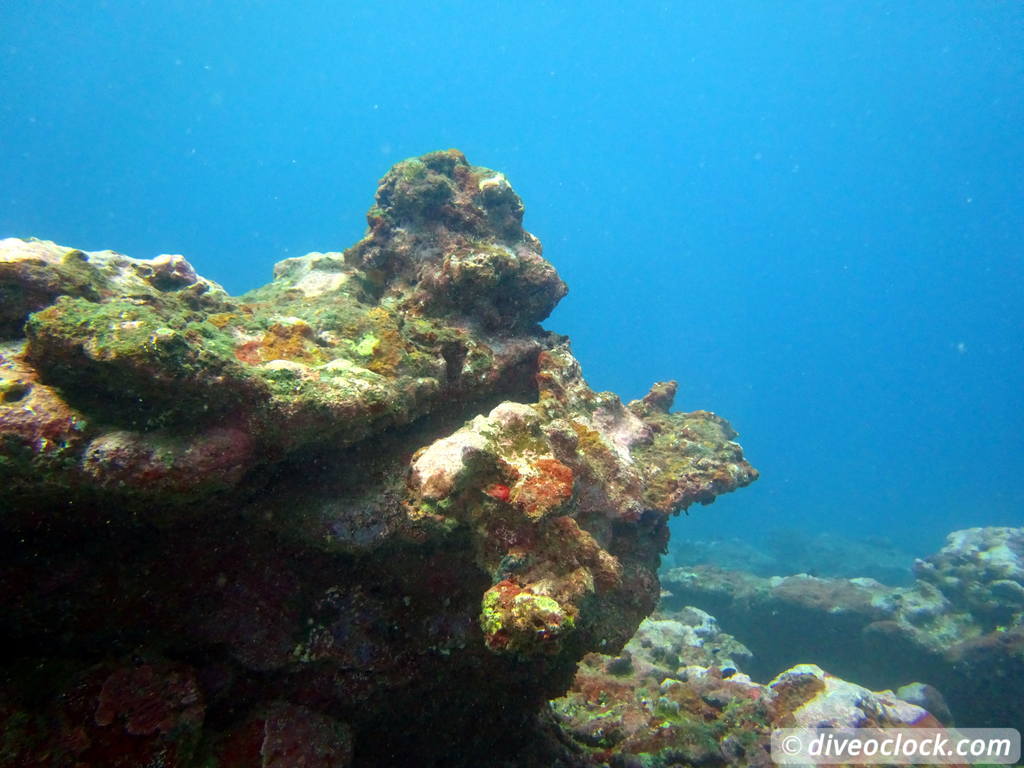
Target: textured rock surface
(675, 696)
(368, 514)
(981, 571)
(959, 628)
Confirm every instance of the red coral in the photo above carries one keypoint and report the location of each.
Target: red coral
(126, 715)
(249, 352)
(498, 491)
(548, 489)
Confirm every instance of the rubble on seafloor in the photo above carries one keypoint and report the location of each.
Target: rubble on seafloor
(370, 514)
(958, 630)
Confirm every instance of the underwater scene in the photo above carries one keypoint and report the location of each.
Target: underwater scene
(491, 385)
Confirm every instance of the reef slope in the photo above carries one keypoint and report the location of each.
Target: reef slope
(369, 514)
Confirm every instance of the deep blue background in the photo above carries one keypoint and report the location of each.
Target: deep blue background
(808, 213)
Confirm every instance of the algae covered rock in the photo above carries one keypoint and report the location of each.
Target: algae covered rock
(981, 570)
(957, 628)
(554, 492)
(676, 697)
(374, 486)
(446, 237)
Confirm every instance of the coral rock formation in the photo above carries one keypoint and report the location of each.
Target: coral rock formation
(959, 628)
(675, 696)
(263, 530)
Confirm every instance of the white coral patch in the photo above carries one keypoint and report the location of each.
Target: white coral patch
(842, 704)
(497, 181)
(443, 463)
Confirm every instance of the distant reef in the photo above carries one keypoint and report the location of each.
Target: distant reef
(958, 628)
(369, 514)
(683, 692)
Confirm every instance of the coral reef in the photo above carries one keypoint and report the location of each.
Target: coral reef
(959, 628)
(368, 514)
(785, 551)
(980, 571)
(675, 696)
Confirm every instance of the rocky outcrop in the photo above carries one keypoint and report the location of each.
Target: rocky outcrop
(372, 497)
(981, 572)
(959, 628)
(783, 552)
(676, 696)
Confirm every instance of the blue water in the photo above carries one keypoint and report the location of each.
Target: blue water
(808, 213)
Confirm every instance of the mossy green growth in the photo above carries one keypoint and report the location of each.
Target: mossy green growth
(492, 617)
(438, 508)
(524, 623)
(742, 720)
(683, 445)
(531, 604)
(523, 439)
(73, 275)
(81, 277)
(366, 345)
(415, 188)
(147, 365)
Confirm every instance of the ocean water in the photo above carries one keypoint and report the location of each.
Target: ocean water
(810, 214)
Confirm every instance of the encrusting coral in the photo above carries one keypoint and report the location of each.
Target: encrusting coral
(371, 497)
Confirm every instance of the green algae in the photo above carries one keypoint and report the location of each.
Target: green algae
(366, 345)
(524, 622)
(121, 358)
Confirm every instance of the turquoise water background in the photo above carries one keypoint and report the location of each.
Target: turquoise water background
(810, 214)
